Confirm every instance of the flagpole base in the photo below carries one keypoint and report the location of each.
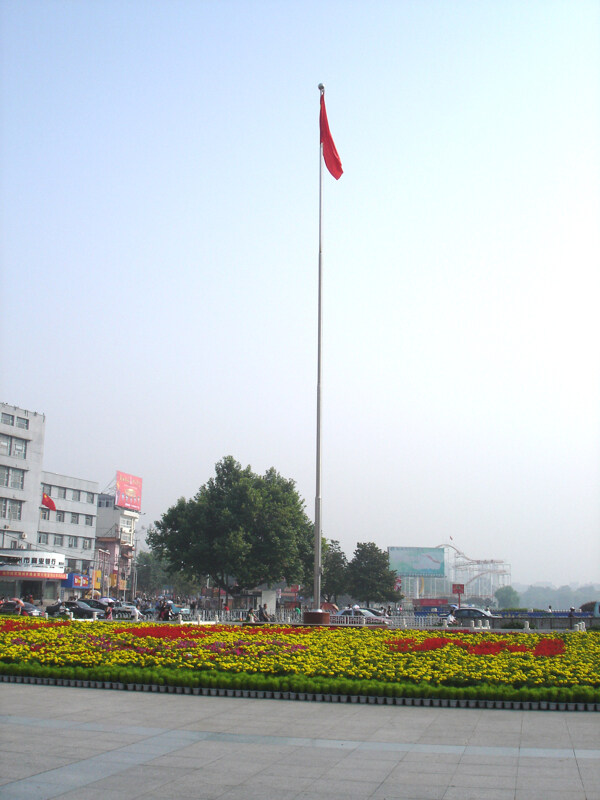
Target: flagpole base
(317, 617)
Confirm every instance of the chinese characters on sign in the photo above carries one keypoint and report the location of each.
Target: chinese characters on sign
(128, 493)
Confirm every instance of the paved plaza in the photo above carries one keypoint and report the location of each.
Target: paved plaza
(86, 744)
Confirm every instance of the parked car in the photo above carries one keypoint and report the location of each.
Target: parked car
(97, 604)
(467, 613)
(122, 609)
(378, 612)
(369, 616)
(78, 608)
(20, 607)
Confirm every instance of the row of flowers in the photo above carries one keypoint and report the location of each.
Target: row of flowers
(491, 665)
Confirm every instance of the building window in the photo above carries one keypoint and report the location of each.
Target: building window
(47, 489)
(89, 520)
(75, 495)
(16, 478)
(75, 519)
(44, 513)
(90, 497)
(23, 423)
(72, 541)
(7, 419)
(60, 516)
(10, 509)
(87, 544)
(11, 477)
(4, 444)
(62, 492)
(19, 448)
(42, 539)
(58, 540)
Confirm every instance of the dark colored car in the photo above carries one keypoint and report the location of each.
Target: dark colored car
(23, 609)
(96, 604)
(77, 608)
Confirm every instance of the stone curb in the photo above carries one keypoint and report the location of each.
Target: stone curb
(433, 702)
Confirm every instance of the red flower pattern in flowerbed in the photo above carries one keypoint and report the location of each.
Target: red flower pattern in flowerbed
(546, 647)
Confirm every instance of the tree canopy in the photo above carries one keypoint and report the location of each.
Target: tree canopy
(369, 575)
(241, 529)
(335, 571)
(507, 597)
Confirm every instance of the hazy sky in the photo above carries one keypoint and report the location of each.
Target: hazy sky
(159, 258)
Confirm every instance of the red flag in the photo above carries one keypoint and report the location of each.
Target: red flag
(48, 502)
(330, 154)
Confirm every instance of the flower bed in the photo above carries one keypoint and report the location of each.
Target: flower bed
(485, 666)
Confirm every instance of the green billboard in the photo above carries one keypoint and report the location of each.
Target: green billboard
(422, 562)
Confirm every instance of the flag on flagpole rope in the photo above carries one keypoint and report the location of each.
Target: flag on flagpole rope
(48, 502)
(330, 154)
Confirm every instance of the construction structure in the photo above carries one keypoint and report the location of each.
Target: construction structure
(433, 572)
(481, 577)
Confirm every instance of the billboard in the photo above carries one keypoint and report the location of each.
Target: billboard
(425, 562)
(128, 493)
(74, 580)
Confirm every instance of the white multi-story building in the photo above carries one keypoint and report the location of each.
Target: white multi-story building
(68, 532)
(87, 538)
(21, 455)
(71, 529)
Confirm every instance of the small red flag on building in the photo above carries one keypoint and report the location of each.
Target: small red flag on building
(330, 154)
(48, 502)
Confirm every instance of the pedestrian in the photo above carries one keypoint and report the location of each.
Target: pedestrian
(108, 612)
(263, 614)
(571, 617)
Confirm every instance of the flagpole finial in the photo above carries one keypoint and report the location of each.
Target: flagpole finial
(321, 88)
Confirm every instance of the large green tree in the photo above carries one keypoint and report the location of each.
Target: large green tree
(369, 575)
(507, 597)
(335, 571)
(241, 529)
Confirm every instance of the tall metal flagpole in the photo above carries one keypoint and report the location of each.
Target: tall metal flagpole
(317, 573)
